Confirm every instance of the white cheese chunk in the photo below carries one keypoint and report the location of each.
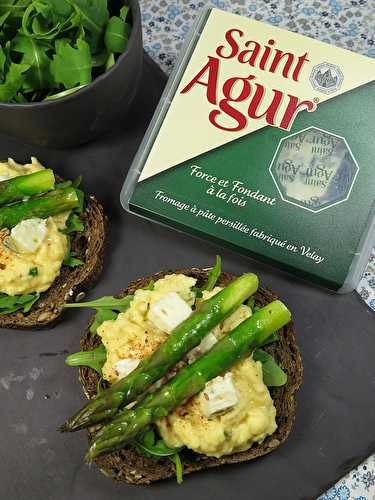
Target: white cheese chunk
(125, 366)
(29, 234)
(168, 312)
(219, 395)
(207, 343)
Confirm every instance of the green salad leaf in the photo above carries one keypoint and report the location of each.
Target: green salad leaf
(52, 48)
(34, 54)
(273, 374)
(124, 11)
(3, 59)
(94, 359)
(70, 258)
(73, 225)
(178, 467)
(107, 308)
(151, 445)
(107, 302)
(12, 303)
(13, 81)
(116, 35)
(213, 275)
(94, 16)
(101, 316)
(71, 66)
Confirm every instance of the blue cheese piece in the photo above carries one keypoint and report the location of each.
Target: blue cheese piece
(219, 395)
(29, 234)
(206, 345)
(168, 312)
(125, 366)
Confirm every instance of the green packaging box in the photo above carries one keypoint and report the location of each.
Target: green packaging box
(264, 141)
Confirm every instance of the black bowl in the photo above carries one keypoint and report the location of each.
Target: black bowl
(87, 113)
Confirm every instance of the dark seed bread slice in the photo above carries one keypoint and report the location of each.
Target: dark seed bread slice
(72, 282)
(132, 467)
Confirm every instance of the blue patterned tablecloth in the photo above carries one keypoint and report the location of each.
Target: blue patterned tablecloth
(349, 24)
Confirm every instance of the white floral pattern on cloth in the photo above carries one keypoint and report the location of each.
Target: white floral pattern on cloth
(349, 24)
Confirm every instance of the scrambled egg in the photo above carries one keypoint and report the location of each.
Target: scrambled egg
(248, 422)
(132, 336)
(10, 168)
(15, 276)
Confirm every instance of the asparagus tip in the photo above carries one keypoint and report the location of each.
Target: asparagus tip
(64, 427)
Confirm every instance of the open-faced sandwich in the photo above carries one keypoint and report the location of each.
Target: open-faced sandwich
(51, 244)
(186, 370)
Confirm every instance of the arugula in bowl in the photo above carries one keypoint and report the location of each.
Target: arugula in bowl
(51, 48)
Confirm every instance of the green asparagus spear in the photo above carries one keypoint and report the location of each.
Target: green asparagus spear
(186, 336)
(49, 204)
(26, 185)
(250, 334)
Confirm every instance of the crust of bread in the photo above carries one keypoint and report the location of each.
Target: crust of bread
(129, 466)
(72, 283)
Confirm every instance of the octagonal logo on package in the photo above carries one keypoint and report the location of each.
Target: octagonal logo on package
(326, 78)
(314, 169)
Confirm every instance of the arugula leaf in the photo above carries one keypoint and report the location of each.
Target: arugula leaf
(13, 81)
(64, 93)
(38, 76)
(150, 444)
(4, 17)
(99, 59)
(273, 374)
(61, 9)
(71, 66)
(70, 258)
(108, 308)
(72, 261)
(101, 316)
(213, 275)
(94, 16)
(197, 291)
(13, 303)
(110, 61)
(81, 200)
(77, 182)
(178, 466)
(73, 225)
(14, 9)
(94, 359)
(116, 35)
(107, 302)
(124, 11)
(150, 286)
(3, 59)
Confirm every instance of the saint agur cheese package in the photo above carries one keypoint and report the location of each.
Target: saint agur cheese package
(264, 140)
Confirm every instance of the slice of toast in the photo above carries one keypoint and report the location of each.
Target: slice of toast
(132, 467)
(71, 283)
